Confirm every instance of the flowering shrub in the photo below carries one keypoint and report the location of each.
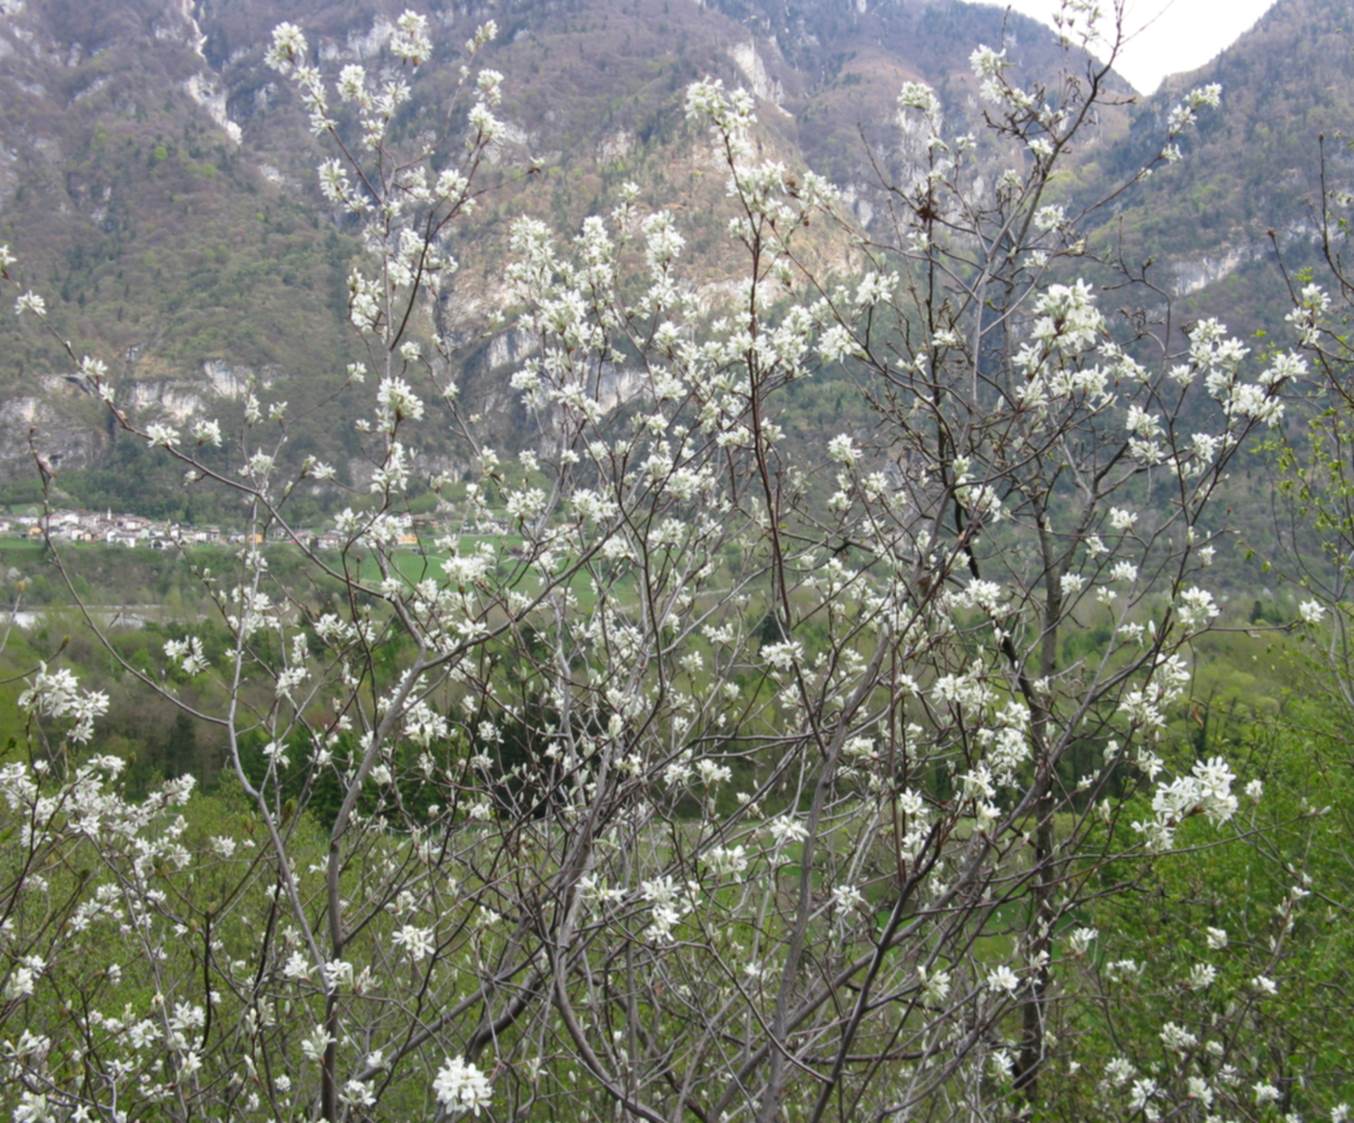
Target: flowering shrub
(681, 775)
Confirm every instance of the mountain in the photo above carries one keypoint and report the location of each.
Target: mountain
(158, 240)
(1252, 168)
(157, 180)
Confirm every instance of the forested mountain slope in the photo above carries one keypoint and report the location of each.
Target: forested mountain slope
(1250, 170)
(157, 183)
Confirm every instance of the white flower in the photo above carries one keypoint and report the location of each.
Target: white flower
(727, 861)
(1196, 607)
(397, 403)
(841, 451)
(835, 344)
(207, 433)
(1204, 96)
(21, 982)
(418, 942)
(410, 41)
(159, 434)
(1201, 976)
(337, 973)
(1001, 1063)
(1176, 1038)
(1003, 979)
(484, 124)
(846, 898)
(712, 772)
(1264, 984)
(1071, 585)
(288, 48)
(357, 1094)
(1312, 611)
(352, 83)
(1068, 319)
(451, 184)
(935, 986)
(33, 1108)
(1142, 1091)
(187, 653)
(918, 95)
(315, 1043)
(486, 32)
(30, 302)
(782, 656)
(1118, 1072)
(460, 1086)
(57, 694)
(1121, 519)
(1050, 218)
(986, 62)
(786, 830)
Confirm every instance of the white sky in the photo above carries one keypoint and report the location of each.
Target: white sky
(1166, 36)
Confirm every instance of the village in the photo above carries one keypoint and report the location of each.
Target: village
(138, 531)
